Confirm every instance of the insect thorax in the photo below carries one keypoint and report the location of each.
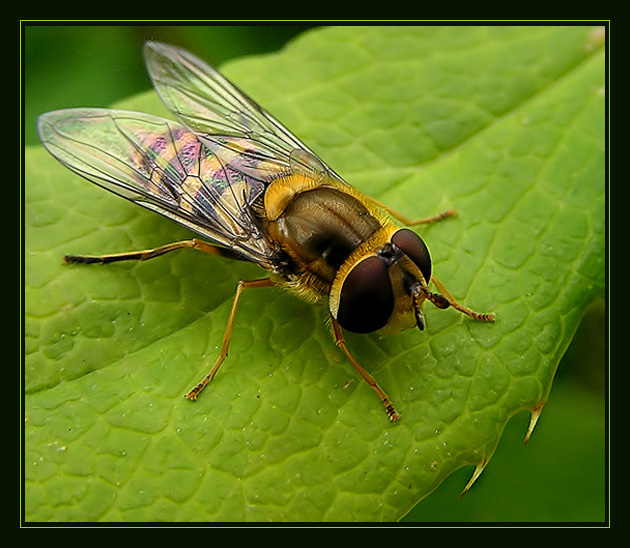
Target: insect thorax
(318, 226)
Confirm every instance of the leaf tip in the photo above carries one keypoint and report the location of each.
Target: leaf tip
(480, 468)
(533, 421)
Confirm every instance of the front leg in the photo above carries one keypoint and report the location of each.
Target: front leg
(341, 343)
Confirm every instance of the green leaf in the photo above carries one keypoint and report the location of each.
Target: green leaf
(505, 124)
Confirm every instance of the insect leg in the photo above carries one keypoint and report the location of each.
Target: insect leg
(446, 299)
(265, 282)
(413, 222)
(147, 253)
(341, 343)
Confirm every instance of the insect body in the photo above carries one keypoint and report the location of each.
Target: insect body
(231, 173)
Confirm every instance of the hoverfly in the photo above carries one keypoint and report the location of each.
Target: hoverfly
(234, 175)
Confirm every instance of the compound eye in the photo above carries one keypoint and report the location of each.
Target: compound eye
(366, 300)
(412, 245)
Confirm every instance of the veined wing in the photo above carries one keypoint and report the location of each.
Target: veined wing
(160, 165)
(225, 119)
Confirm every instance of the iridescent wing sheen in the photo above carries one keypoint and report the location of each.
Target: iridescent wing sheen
(161, 165)
(225, 119)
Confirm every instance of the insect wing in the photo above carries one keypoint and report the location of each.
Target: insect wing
(160, 165)
(225, 119)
